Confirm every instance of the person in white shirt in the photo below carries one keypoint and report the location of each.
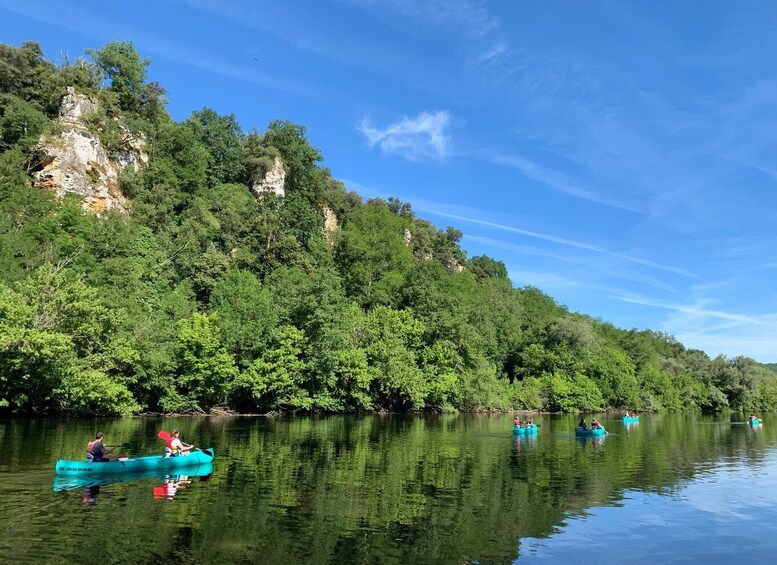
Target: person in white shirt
(175, 446)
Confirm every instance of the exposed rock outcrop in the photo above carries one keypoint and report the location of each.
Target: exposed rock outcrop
(75, 162)
(274, 181)
(330, 225)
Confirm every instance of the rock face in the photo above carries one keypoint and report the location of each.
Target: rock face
(75, 162)
(330, 225)
(273, 181)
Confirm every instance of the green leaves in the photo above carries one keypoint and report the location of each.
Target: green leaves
(276, 380)
(21, 123)
(123, 67)
(205, 368)
(373, 256)
(55, 335)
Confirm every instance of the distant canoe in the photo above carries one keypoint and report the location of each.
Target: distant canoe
(529, 430)
(630, 419)
(590, 432)
(755, 422)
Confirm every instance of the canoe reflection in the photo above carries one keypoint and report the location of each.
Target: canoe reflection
(173, 483)
(596, 442)
(520, 442)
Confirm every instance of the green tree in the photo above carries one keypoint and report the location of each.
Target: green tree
(373, 256)
(206, 370)
(126, 70)
(393, 343)
(247, 316)
(223, 138)
(276, 380)
(21, 123)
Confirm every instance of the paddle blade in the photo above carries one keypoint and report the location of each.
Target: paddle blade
(163, 435)
(206, 452)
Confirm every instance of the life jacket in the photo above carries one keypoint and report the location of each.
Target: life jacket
(169, 445)
(90, 446)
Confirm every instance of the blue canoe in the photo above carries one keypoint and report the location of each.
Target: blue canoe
(590, 432)
(755, 423)
(518, 431)
(130, 465)
(630, 419)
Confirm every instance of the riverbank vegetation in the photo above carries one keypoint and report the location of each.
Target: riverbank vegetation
(206, 295)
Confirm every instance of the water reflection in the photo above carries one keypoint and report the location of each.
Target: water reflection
(523, 443)
(90, 495)
(595, 442)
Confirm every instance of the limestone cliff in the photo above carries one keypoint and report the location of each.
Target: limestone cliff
(75, 162)
(330, 225)
(274, 181)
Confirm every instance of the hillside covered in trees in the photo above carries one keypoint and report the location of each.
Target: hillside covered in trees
(204, 293)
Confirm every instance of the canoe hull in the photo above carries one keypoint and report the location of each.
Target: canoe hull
(630, 419)
(524, 431)
(595, 432)
(151, 463)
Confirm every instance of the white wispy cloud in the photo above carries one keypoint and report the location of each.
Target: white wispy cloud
(568, 242)
(470, 16)
(555, 180)
(697, 311)
(413, 138)
(642, 278)
(757, 345)
(522, 249)
(490, 55)
(547, 282)
(71, 17)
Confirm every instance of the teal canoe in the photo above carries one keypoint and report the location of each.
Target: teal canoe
(630, 419)
(130, 465)
(529, 430)
(590, 432)
(756, 422)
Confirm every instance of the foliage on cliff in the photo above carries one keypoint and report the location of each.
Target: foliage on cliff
(207, 296)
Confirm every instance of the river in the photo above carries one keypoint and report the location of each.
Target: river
(399, 489)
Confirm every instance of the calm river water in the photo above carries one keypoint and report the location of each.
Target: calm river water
(399, 489)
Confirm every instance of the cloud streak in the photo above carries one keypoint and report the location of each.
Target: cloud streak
(412, 138)
(555, 180)
(71, 18)
(469, 16)
(697, 311)
(567, 242)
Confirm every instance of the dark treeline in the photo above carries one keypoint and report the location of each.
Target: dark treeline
(205, 295)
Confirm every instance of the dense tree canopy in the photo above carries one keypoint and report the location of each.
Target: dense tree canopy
(206, 295)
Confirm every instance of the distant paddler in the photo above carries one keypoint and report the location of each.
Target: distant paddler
(96, 450)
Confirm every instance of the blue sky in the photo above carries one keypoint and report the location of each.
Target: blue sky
(618, 155)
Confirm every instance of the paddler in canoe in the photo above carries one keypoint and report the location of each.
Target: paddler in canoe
(96, 450)
(175, 447)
